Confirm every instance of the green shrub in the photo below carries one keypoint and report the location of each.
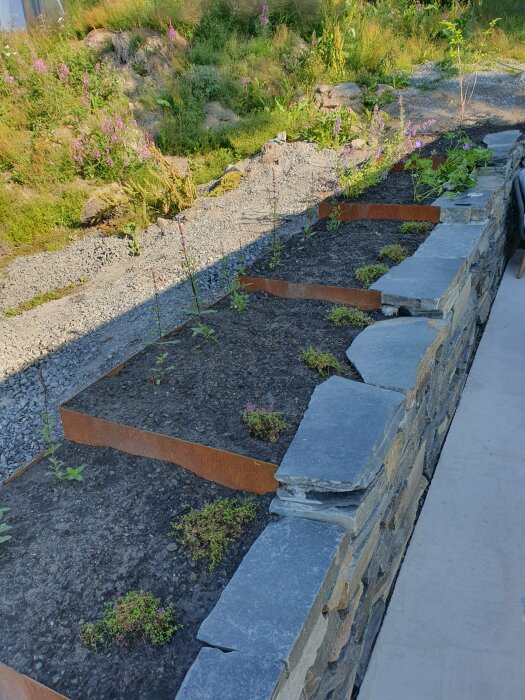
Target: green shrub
(136, 615)
(395, 252)
(368, 274)
(206, 533)
(349, 316)
(322, 362)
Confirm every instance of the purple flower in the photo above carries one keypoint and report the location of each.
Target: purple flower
(85, 80)
(40, 66)
(63, 72)
(160, 611)
(250, 406)
(419, 7)
(419, 144)
(315, 41)
(467, 146)
(9, 79)
(171, 33)
(264, 19)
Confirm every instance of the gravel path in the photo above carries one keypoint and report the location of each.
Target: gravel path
(75, 339)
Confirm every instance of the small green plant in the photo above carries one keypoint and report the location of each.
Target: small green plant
(238, 298)
(58, 468)
(458, 173)
(158, 372)
(135, 615)
(201, 330)
(322, 362)
(395, 252)
(348, 316)
(275, 246)
(334, 220)
(4, 527)
(416, 227)
(130, 231)
(206, 533)
(264, 423)
(189, 266)
(40, 299)
(368, 274)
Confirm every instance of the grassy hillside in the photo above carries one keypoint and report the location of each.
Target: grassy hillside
(67, 111)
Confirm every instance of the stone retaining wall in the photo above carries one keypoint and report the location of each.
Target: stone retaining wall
(300, 616)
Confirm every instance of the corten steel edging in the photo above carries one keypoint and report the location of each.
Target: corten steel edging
(21, 471)
(227, 468)
(364, 299)
(350, 211)
(16, 686)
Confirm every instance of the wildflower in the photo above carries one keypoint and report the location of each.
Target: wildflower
(9, 79)
(85, 80)
(63, 72)
(264, 19)
(419, 7)
(171, 32)
(419, 144)
(250, 406)
(40, 66)
(467, 146)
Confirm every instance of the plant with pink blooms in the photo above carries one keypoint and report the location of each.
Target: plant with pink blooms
(264, 423)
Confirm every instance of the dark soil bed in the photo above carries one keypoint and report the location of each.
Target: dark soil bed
(256, 358)
(76, 545)
(331, 257)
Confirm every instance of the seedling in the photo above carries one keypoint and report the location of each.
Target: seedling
(334, 220)
(238, 298)
(348, 316)
(205, 332)
(368, 274)
(158, 372)
(130, 231)
(136, 615)
(264, 423)
(276, 246)
(58, 469)
(206, 533)
(416, 227)
(322, 362)
(4, 527)
(395, 252)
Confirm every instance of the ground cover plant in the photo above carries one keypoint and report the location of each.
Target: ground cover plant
(324, 363)
(39, 299)
(207, 533)
(368, 274)
(62, 102)
(395, 253)
(84, 547)
(135, 615)
(265, 423)
(416, 227)
(349, 316)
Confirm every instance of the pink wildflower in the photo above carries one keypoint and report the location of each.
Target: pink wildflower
(171, 33)
(63, 72)
(40, 66)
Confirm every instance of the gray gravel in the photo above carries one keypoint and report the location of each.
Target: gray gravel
(75, 339)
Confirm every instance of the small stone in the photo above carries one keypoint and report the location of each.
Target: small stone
(172, 547)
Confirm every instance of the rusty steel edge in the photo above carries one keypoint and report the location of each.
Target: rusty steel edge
(365, 299)
(17, 686)
(229, 469)
(355, 211)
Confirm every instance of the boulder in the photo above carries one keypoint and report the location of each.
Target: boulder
(99, 40)
(347, 95)
(179, 163)
(383, 89)
(218, 116)
(121, 42)
(102, 205)
(271, 152)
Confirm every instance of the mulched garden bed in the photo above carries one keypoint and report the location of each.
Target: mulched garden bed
(76, 545)
(332, 256)
(256, 358)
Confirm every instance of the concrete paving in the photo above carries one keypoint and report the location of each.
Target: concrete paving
(455, 626)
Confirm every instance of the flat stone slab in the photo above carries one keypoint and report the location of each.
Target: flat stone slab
(388, 353)
(216, 675)
(452, 241)
(455, 629)
(472, 205)
(343, 437)
(502, 142)
(420, 282)
(263, 609)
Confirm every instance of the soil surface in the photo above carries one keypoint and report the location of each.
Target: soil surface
(76, 545)
(331, 257)
(256, 358)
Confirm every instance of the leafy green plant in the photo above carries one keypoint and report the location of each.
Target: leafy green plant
(334, 220)
(206, 533)
(201, 330)
(275, 246)
(348, 316)
(4, 527)
(238, 298)
(264, 423)
(416, 227)
(130, 232)
(135, 615)
(322, 362)
(160, 370)
(368, 274)
(58, 468)
(458, 173)
(189, 267)
(331, 129)
(395, 252)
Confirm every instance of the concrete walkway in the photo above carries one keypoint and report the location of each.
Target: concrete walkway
(455, 626)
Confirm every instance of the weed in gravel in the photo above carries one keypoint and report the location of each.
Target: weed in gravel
(40, 299)
(395, 252)
(416, 227)
(4, 527)
(264, 423)
(334, 220)
(206, 533)
(58, 468)
(348, 316)
(322, 362)
(130, 232)
(135, 615)
(368, 274)
(276, 246)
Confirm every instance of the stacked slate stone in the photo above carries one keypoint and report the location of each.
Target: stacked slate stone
(299, 618)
